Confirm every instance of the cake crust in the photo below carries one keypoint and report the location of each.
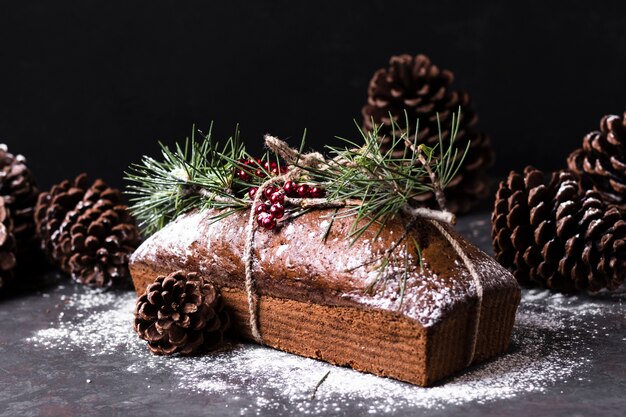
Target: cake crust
(419, 326)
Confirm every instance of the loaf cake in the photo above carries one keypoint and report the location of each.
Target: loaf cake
(433, 312)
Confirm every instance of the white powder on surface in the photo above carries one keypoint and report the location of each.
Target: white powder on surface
(101, 324)
(545, 350)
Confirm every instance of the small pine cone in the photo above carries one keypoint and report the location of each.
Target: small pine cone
(95, 242)
(555, 234)
(19, 189)
(181, 313)
(601, 162)
(416, 85)
(52, 207)
(7, 245)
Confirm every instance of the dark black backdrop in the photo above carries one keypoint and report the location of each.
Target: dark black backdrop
(91, 85)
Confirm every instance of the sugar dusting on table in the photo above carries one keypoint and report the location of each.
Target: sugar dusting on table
(544, 350)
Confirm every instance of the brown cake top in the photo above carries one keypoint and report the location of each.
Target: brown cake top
(295, 262)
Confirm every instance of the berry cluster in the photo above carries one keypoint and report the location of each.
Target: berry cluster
(293, 189)
(271, 207)
(248, 168)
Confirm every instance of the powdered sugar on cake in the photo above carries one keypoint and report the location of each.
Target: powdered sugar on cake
(345, 273)
(426, 297)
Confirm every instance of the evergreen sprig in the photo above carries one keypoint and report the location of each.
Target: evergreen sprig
(380, 184)
(369, 184)
(197, 174)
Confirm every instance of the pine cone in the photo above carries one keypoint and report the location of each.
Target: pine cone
(96, 243)
(557, 235)
(87, 231)
(7, 245)
(416, 85)
(98, 197)
(52, 207)
(18, 187)
(180, 313)
(601, 162)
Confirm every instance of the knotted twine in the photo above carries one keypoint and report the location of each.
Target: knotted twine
(291, 156)
(313, 160)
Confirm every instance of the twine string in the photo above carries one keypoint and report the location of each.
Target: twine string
(441, 201)
(477, 283)
(291, 156)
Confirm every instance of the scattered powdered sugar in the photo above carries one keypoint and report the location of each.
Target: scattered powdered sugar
(545, 350)
(101, 324)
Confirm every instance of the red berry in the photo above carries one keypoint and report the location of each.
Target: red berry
(277, 210)
(317, 192)
(244, 166)
(303, 191)
(284, 170)
(261, 208)
(275, 171)
(243, 175)
(290, 188)
(268, 191)
(252, 192)
(277, 197)
(260, 173)
(268, 222)
(266, 165)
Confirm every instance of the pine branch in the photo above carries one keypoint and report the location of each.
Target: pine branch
(197, 174)
(387, 185)
(368, 185)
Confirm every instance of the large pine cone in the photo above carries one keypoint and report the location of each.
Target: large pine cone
(416, 85)
(7, 245)
(87, 231)
(601, 162)
(555, 234)
(19, 189)
(180, 313)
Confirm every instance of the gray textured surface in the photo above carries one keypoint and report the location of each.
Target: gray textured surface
(37, 381)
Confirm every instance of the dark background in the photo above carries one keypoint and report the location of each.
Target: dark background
(92, 85)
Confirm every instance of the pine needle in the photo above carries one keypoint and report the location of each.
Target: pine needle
(319, 384)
